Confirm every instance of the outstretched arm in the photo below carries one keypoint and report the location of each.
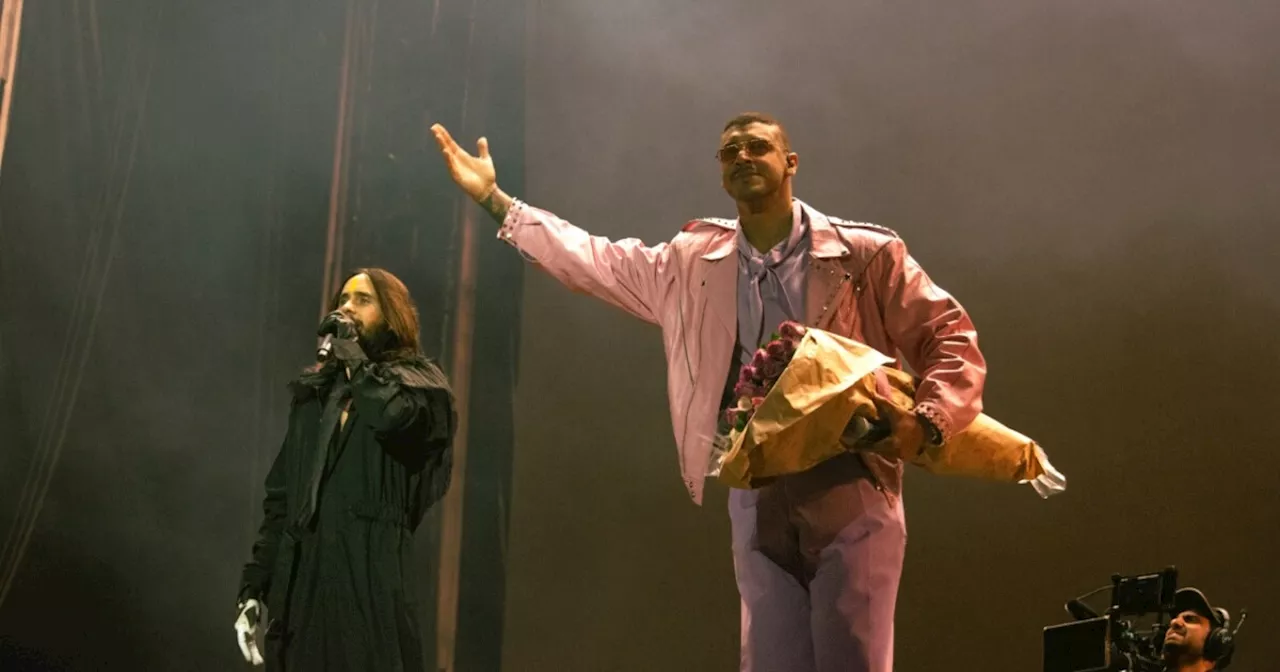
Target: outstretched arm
(625, 273)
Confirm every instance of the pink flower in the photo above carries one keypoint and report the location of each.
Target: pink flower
(745, 388)
(776, 349)
(759, 358)
(756, 401)
(772, 369)
(792, 331)
(749, 374)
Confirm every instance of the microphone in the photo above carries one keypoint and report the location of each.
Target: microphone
(1080, 611)
(325, 351)
(332, 323)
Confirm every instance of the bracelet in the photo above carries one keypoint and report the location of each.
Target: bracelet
(933, 434)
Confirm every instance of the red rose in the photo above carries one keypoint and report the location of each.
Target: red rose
(773, 369)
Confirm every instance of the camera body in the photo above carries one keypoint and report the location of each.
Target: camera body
(1111, 642)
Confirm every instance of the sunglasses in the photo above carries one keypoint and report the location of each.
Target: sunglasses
(754, 146)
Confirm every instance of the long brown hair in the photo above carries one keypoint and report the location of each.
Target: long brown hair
(399, 336)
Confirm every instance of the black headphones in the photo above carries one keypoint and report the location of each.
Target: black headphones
(1220, 645)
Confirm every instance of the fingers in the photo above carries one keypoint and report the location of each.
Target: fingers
(886, 409)
(443, 139)
(246, 632)
(243, 639)
(905, 439)
(482, 146)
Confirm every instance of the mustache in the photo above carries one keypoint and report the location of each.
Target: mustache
(744, 170)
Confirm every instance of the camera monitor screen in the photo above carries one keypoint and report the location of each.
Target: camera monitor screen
(1083, 646)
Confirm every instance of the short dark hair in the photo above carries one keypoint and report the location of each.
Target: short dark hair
(747, 118)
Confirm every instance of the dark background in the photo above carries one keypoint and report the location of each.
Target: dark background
(185, 183)
(1094, 180)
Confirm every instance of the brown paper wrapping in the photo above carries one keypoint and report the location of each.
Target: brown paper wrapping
(832, 379)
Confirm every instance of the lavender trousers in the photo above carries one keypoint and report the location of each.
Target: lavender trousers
(818, 557)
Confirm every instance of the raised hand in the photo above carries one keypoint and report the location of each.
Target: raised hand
(475, 174)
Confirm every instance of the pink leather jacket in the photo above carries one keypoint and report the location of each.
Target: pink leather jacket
(862, 284)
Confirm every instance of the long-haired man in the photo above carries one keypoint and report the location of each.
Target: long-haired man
(367, 452)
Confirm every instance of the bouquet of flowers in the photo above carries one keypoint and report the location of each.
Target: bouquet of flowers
(757, 378)
(795, 399)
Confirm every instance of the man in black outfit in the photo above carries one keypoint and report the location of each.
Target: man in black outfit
(368, 451)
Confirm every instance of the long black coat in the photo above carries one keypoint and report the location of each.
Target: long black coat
(334, 555)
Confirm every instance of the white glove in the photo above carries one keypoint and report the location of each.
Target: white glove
(248, 626)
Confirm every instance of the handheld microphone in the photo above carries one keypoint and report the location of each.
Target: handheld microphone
(325, 351)
(1080, 611)
(332, 323)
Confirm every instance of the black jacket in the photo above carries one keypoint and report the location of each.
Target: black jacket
(333, 561)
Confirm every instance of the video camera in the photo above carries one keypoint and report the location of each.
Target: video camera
(1111, 641)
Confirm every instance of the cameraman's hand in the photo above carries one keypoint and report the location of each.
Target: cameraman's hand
(248, 626)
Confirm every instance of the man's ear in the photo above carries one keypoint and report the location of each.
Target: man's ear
(793, 163)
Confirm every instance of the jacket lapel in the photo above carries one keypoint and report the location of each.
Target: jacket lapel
(720, 284)
(827, 274)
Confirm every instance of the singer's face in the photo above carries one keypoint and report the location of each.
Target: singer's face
(760, 163)
(1186, 635)
(359, 301)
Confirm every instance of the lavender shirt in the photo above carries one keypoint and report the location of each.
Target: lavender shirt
(771, 286)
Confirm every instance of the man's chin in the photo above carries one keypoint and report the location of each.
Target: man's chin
(375, 343)
(753, 193)
(1174, 649)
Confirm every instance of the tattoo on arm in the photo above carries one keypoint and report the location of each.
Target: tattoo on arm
(497, 203)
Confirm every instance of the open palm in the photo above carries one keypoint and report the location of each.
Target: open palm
(475, 174)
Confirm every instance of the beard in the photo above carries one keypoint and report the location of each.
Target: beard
(754, 193)
(376, 341)
(1178, 651)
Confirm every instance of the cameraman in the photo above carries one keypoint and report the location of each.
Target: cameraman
(1199, 636)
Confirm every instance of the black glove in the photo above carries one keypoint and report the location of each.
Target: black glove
(346, 346)
(339, 325)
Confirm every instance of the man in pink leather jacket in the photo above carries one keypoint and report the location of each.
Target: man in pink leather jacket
(817, 555)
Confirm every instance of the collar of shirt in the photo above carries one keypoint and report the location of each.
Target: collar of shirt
(757, 261)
